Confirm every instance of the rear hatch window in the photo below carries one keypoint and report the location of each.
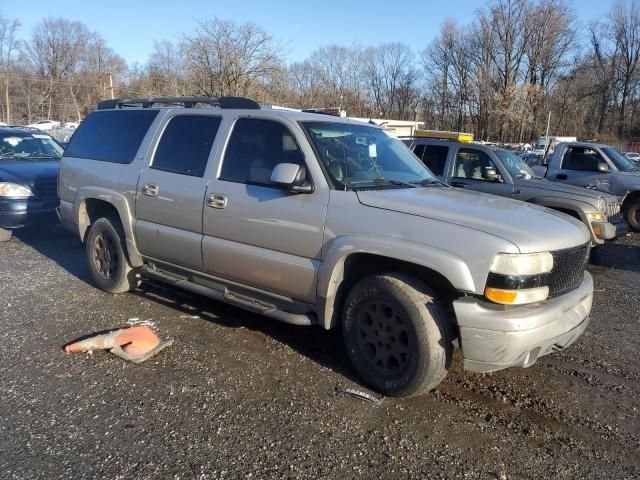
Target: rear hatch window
(111, 135)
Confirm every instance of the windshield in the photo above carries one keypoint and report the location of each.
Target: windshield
(620, 161)
(514, 164)
(358, 156)
(18, 145)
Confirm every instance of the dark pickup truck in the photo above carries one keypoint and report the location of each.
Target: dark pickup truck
(501, 172)
(599, 167)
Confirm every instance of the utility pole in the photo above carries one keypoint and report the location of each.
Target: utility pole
(111, 85)
(546, 141)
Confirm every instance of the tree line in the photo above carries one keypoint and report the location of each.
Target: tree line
(499, 76)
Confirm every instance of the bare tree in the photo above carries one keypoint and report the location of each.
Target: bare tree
(8, 50)
(227, 58)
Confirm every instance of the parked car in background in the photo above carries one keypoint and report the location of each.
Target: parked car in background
(29, 163)
(320, 220)
(44, 125)
(531, 159)
(599, 167)
(501, 172)
(633, 156)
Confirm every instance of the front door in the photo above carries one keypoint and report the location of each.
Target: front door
(469, 167)
(257, 234)
(171, 191)
(580, 167)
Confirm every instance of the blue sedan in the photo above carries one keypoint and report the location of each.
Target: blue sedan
(29, 163)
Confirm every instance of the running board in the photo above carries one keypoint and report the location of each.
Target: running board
(225, 295)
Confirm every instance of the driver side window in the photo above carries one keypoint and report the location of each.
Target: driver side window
(470, 164)
(581, 159)
(256, 146)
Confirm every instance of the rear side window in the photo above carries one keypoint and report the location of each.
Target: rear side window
(111, 135)
(186, 144)
(433, 156)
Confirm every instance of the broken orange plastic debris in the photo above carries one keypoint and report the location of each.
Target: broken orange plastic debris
(133, 343)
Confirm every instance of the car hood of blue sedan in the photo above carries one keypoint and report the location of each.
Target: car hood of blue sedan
(30, 173)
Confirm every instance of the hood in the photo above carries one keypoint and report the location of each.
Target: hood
(530, 227)
(31, 173)
(628, 180)
(556, 187)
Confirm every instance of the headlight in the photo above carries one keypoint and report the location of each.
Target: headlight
(516, 279)
(522, 263)
(595, 217)
(8, 189)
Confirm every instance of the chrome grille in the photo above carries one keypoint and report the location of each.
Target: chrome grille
(614, 215)
(568, 269)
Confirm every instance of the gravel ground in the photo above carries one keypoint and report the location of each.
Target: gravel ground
(241, 396)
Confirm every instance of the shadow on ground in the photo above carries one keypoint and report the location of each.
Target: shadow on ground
(619, 255)
(321, 346)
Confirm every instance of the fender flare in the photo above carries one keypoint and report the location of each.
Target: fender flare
(121, 204)
(331, 273)
(559, 203)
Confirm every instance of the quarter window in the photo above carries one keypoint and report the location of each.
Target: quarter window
(471, 164)
(186, 144)
(111, 135)
(256, 146)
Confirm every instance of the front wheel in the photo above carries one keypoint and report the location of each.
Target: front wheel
(396, 335)
(108, 263)
(633, 215)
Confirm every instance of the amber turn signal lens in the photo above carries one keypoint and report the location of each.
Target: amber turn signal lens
(597, 231)
(500, 296)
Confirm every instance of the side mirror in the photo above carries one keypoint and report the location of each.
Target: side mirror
(291, 177)
(603, 167)
(489, 173)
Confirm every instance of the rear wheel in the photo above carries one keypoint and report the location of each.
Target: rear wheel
(106, 257)
(396, 335)
(5, 235)
(633, 215)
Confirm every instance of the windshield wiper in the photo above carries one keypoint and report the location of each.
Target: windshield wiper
(43, 156)
(381, 181)
(427, 181)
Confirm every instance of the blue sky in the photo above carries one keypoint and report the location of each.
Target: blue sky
(130, 27)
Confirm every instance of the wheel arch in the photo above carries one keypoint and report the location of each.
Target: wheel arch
(630, 198)
(345, 264)
(93, 203)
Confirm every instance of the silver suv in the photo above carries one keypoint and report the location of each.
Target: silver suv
(319, 220)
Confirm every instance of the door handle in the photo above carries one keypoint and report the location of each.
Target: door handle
(215, 200)
(562, 176)
(458, 184)
(150, 190)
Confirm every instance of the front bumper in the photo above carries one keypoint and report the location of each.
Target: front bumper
(493, 337)
(15, 213)
(611, 231)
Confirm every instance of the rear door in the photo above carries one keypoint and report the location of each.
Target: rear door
(467, 172)
(255, 233)
(434, 157)
(171, 190)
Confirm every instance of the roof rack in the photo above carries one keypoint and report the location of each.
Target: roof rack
(186, 102)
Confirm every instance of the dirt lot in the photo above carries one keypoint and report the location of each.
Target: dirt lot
(240, 396)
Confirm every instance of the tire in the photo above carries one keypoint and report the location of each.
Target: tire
(632, 215)
(108, 263)
(396, 335)
(5, 235)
